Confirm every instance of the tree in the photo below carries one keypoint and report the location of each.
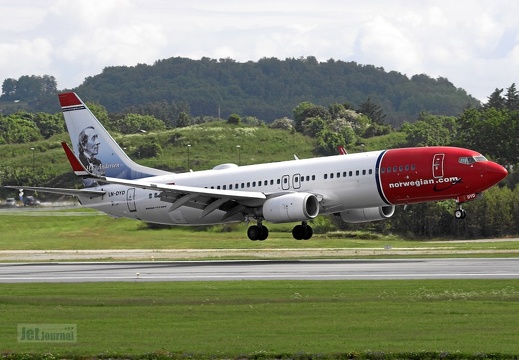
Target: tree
(299, 113)
(373, 111)
(29, 88)
(283, 123)
(9, 89)
(48, 124)
(183, 120)
(495, 100)
(234, 119)
(431, 130)
(512, 98)
(18, 128)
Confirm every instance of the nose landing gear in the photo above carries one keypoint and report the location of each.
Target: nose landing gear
(460, 213)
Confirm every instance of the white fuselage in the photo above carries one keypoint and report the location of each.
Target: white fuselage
(342, 182)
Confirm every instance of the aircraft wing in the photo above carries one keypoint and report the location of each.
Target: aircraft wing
(60, 191)
(178, 195)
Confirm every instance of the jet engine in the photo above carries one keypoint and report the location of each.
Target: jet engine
(367, 214)
(291, 207)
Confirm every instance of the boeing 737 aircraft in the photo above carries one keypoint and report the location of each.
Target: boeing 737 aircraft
(357, 187)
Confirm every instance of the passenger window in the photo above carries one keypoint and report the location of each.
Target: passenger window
(313, 177)
(370, 171)
(407, 168)
(279, 181)
(325, 176)
(363, 172)
(357, 172)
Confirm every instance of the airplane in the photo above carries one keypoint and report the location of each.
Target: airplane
(359, 187)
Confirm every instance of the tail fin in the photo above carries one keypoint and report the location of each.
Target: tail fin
(94, 146)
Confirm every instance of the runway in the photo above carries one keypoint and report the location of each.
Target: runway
(489, 268)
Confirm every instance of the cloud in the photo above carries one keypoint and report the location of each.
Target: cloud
(473, 43)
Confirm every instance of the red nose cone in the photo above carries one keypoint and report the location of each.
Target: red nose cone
(495, 172)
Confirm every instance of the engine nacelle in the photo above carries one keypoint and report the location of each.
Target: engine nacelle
(291, 207)
(367, 214)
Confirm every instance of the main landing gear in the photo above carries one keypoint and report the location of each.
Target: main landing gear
(261, 232)
(258, 232)
(302, 232)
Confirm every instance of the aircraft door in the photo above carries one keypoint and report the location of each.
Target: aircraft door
(130, 199)
(437, 166)
(285, 182)
(296, 181)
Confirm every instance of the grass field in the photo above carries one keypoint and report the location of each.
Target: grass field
(84, 229)
(244, 317)
(219, 319)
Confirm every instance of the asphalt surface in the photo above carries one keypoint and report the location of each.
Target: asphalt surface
(494, 268)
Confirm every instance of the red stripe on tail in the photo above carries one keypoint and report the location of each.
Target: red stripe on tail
(69, 99)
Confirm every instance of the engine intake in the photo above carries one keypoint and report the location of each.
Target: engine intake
(367, 214)
(291, 207)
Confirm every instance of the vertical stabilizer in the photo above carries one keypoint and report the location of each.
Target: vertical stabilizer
(94, 146)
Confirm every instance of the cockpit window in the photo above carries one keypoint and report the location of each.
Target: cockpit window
(471, 159)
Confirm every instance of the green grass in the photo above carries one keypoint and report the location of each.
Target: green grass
(85, 229)
(243, 317)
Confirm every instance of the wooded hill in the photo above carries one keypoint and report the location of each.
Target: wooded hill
(267, 89)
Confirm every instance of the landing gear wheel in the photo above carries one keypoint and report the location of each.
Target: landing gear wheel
(302, 232)
(264, 233)
(258, 232)
(254, 232)
(460, 214)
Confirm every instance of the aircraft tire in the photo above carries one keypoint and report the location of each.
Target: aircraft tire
(254, 232)
(309, 232)
(302, 232)
(460, 214)
(264, 233)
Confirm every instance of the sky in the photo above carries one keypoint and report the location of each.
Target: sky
(473, 43)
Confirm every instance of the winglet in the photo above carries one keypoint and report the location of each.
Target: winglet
(77, 166)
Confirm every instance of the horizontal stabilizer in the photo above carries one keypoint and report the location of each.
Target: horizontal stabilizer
(60, 191)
